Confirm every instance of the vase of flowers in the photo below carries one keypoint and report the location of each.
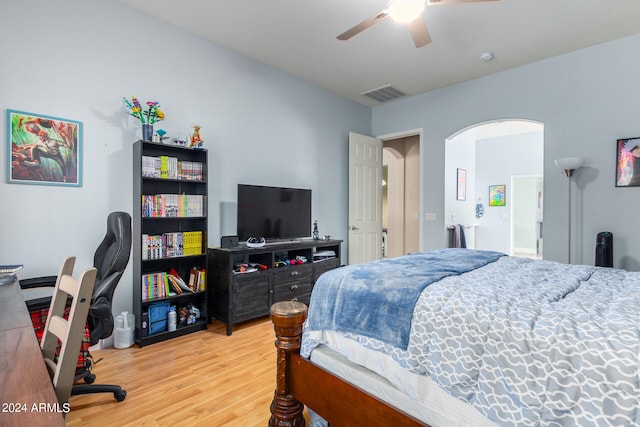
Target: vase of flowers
(147, 117)
(147, 132)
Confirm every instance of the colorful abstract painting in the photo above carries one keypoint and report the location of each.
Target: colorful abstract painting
(43, 150)
(628, 162)
(497, 195)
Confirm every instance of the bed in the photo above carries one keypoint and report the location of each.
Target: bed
(459, 337)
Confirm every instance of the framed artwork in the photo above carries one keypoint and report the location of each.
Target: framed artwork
(628, 162)
(43, 150)
(497, 195)
(461, 193)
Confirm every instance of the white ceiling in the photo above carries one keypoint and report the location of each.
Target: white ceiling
(299, 36)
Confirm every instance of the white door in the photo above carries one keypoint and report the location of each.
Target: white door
(365, 198)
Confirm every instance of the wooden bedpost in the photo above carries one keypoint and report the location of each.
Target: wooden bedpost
(288, 318)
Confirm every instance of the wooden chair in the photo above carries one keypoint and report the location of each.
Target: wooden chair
(66, 332)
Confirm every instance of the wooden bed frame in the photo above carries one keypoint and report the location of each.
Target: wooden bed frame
(300, 382)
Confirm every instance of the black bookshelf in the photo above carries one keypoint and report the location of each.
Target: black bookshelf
(175, 218)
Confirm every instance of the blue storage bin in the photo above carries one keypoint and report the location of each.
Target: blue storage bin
(158, 314)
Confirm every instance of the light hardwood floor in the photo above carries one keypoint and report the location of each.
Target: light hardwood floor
(204, 378)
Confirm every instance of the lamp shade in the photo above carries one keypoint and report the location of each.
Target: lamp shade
(569, 163)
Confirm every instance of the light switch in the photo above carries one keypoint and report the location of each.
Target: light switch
(430, 216)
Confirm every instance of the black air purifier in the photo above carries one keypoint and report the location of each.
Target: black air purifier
(604, 249)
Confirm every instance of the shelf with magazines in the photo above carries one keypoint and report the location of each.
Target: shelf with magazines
(170, 240)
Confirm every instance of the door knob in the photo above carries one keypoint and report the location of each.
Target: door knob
(354, 228)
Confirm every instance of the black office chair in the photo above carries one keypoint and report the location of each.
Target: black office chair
(110, 260)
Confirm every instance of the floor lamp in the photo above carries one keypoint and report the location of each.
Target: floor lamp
(569, 166)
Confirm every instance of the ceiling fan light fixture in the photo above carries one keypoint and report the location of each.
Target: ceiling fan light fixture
(404, 11)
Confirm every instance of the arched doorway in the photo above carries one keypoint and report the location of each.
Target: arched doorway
(505, 155)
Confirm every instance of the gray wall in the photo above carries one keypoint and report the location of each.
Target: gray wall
(586, 100)
(76, 59)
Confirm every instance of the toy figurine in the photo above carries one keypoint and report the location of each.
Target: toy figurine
(316, 234)
(161, 135)
(196, 141)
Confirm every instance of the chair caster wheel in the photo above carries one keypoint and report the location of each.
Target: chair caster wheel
(120, 396)
(89, 379)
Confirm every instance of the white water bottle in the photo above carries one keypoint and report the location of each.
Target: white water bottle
(171, 319)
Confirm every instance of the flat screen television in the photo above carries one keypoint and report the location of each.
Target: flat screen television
(273, 212)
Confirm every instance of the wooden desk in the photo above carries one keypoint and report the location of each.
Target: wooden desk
(27, 397)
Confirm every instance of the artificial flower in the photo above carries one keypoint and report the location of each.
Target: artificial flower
(147, 117)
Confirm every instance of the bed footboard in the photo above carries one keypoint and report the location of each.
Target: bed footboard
(300, 382)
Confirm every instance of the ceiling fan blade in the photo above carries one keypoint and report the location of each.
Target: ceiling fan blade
(447, 2)
(363, 25)
(419, 32)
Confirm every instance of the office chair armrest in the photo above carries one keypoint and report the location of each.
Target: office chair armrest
(37, 292)
(38, 282)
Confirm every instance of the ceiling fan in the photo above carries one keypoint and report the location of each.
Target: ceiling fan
(407, 12)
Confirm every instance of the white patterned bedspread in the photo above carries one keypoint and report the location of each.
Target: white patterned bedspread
(528, 343)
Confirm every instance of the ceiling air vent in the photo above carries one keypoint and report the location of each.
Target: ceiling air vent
(384, 93)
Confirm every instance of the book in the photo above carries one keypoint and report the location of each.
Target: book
(202, 285)
(193, 279)
(10, 269)
(174, 284)
(179, 281)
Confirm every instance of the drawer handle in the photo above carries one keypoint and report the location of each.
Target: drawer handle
(294, 273)
(294, 299)
(293, 287)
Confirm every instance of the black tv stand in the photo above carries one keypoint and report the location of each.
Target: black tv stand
(236, 296)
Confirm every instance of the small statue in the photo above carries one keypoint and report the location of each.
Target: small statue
(196, 141)
(316, 234)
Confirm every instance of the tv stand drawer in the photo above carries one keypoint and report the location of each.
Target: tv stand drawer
(293, 272)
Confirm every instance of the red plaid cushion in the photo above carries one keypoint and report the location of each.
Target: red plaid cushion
(39, 319)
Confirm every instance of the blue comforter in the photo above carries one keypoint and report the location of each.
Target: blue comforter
(377, 299)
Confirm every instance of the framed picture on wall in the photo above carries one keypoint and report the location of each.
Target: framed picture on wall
(628, 162)
(497, 195)
(461, 193)
(43, 150)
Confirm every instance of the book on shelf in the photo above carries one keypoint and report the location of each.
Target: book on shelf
(197, 279)
(170, 245)
(174, 284)
(10, 269)
(179, 281)
(172, 205)
(163, 285)
(155, 286)
(168, 167)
